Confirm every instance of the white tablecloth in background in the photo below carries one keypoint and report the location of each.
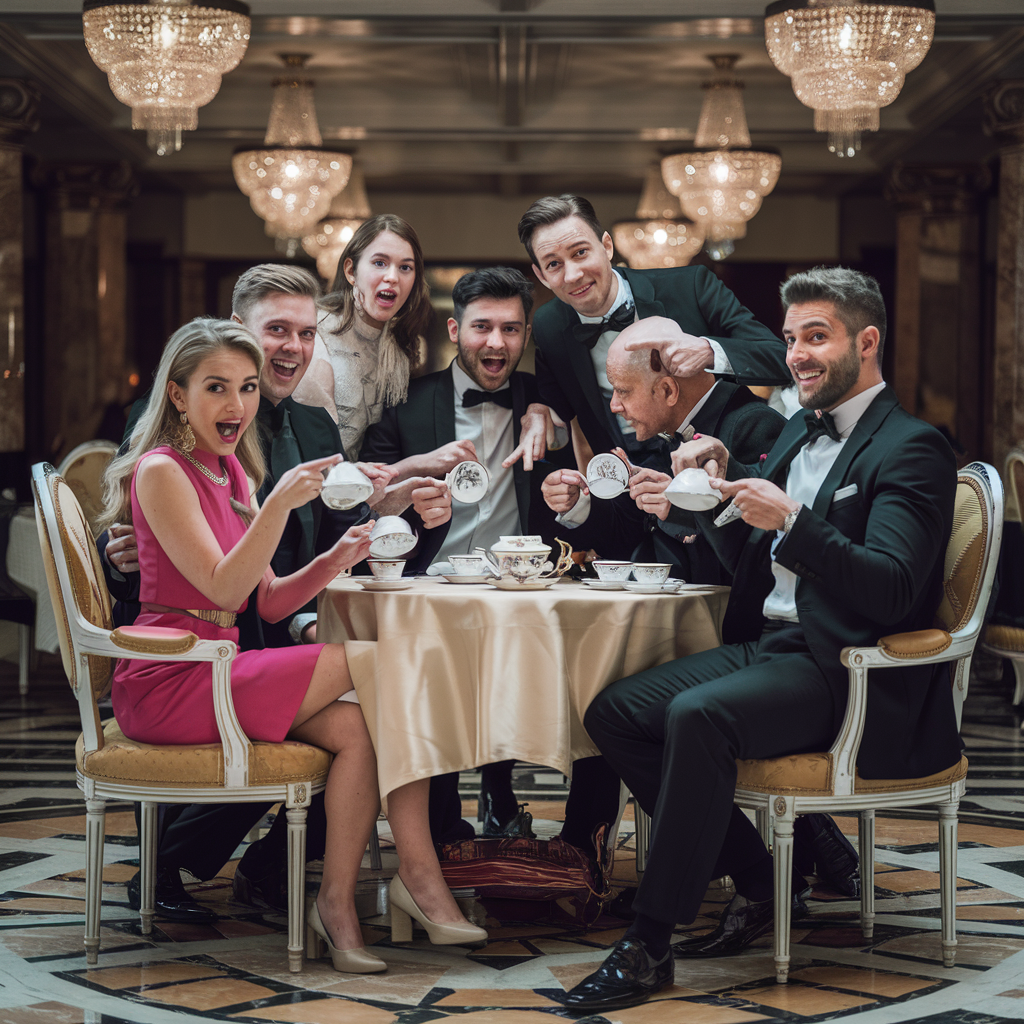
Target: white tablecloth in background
(25, 567)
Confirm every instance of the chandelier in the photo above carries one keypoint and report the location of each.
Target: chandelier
(660, 236)
(291, 180)
(848, 59)
(165, 59)
(720, 186)
(349, 208)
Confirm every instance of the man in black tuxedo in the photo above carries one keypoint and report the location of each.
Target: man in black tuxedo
(842, 537)
(594, 301)
(478, 401)
(277, 303)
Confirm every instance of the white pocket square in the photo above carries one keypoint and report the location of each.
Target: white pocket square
(844, 492)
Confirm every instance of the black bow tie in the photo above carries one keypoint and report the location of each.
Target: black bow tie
(471, 397)
(818, 424)
(618, 321)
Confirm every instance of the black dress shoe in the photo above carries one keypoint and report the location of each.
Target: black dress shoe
(172, 902)
(742, 921)
(268, 891)
(836, 862)
(629, 976)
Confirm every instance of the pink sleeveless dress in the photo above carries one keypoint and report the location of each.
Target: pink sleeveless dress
(172, 702)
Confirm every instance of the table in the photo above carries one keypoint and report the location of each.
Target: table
(462, 676)
(25, 567)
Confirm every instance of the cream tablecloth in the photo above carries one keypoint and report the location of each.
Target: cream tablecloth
(467, 675)
(25, 567)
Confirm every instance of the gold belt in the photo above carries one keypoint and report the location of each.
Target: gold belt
(225, 620)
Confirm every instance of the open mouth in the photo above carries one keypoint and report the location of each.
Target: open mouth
(228, 431)
(580, 292)
(386, 297)
(494, 365)
(284, 368)
(806, 378)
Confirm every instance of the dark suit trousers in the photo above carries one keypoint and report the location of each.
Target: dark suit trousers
(674, 733)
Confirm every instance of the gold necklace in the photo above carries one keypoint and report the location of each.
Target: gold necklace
(221, 480)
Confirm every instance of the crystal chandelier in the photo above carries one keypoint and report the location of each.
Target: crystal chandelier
(291, 180)
(848, 59)
(349, 209)
(721, 185)
(660, 236)
(165, 59)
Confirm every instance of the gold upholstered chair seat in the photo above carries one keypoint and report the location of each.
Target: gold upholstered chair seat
(113, 767)
(125, 761)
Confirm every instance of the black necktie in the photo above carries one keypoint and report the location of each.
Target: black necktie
(285, 455)
(817, 425)
(471, 397)
(618, 321)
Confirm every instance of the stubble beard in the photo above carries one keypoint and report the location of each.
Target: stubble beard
(842, 375)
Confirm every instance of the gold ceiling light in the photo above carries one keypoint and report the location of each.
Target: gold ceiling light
(165, 60)
(292, 179)
(721, 185)
(349, 208)
(848, 59)
(660, 236)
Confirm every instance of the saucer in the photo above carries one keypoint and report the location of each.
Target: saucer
(385, 584)
(468, 579)
(507, 583)
(606, 584)
(653, 588)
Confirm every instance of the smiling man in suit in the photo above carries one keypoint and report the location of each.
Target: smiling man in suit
(709, 330)
(841, 539)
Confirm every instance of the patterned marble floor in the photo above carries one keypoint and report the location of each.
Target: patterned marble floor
(236, 969)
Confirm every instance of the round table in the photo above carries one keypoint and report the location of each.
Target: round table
(462, 675)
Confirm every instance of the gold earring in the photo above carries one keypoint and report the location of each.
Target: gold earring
(184, 440)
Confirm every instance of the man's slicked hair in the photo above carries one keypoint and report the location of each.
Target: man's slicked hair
(271, 279)
(552, 209)
(492, 283)
(856, 297)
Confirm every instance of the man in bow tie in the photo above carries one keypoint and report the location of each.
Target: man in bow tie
(840, 540)
(594, 301)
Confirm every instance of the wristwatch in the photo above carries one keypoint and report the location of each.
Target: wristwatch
(790, 519)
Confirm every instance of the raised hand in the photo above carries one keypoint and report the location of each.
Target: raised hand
(703, 452)
(380, 475)
(681, 354)
(444, 459)
(351, 547)
(761, 503)
(536, 435)
(432, 501)
(562, 489)
(647, 489)
(302, 483)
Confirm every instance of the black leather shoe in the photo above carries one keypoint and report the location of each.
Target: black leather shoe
(171, 902)
(267, 892)
(629, 976)
(836, 862)
(741, 923)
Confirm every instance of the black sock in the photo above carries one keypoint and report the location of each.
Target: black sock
(654, 934)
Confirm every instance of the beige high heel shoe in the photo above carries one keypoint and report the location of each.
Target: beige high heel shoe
(352, 961)
(404, 909)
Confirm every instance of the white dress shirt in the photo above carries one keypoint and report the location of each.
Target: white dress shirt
(489, 427)
(807, 473)
(580, 512)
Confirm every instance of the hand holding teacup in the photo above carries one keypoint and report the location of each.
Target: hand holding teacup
(562, 489)
(761, 503)
(647, 489)
(432, 501)
(703, 452)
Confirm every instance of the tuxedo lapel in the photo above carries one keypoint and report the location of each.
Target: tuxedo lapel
(443, 424)
(643, 294)
(522, 479)
(583, 368)
(784, 451)
(709, 415)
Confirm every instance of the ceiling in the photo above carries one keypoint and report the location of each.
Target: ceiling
(514, 96)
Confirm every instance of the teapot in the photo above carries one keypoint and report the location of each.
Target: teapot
(524, 557)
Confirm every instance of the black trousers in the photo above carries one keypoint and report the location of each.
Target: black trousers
(673, 734)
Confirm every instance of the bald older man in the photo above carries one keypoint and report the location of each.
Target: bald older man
(643, 526)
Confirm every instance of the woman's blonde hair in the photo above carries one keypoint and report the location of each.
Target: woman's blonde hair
(160, 423)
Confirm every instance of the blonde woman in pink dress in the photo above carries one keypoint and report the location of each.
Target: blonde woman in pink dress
(183, 486)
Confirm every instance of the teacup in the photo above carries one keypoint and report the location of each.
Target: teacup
(470, 565)
(607, 476)
(691, 489)
(390, 537)
(386, 568)
(610, 570)
(468, 482)
(345, 487)
(651, 572)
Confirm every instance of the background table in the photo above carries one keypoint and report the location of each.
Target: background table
(467, 675)
(25, 567)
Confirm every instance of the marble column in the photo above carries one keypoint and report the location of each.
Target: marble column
(1004, 120)
(18, 102)
(935, 328)
(84, 329)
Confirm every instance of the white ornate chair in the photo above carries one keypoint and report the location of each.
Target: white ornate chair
(111, 766)
(781, 788)
(83, 468)
(1008, 641)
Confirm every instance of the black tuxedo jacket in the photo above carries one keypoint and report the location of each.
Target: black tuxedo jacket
(869, 564)
(747, 426)
(696, 300)
(427, 421)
